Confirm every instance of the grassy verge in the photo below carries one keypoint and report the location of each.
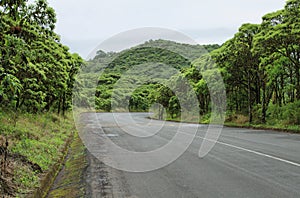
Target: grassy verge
(30, 145)
(276, 127)
(242, 122)
(238, 120)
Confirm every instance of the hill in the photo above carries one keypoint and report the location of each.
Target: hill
(153, 55)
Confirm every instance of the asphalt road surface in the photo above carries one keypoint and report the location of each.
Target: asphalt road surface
(243, 162)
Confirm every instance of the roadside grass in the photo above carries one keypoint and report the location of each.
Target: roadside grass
(35, 144)
(273, 123)
(278, 126)
(239, 120)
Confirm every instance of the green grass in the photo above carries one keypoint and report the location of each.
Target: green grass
(238, 120)
(39, 139)
(283, 124)
(279, 126)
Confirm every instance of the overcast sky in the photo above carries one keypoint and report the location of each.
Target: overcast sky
(84, 24)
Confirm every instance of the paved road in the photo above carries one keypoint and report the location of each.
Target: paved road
(243, 163)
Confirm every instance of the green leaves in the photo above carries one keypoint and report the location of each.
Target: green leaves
(10, 87)
(261, 63)
(39, 70)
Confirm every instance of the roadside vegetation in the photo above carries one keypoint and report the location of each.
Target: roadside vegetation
(30, 146)
(37, 74)
(260, 66)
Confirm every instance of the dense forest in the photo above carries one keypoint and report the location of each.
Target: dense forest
(37, 72)
(260, 66)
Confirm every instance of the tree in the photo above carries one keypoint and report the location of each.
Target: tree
(241, 67)
(278, 44)
(31, 52)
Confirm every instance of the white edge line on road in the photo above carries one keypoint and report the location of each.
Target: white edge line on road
(250, 151)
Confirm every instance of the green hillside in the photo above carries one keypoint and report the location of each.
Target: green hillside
(151, 57)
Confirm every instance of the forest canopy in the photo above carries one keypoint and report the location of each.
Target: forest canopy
(37, 71)
(262, 67)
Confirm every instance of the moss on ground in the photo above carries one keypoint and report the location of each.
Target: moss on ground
(69, 182)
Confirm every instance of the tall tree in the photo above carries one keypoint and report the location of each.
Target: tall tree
(241, 66)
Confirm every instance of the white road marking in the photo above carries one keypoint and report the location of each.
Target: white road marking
(243, 149)
(250, 151)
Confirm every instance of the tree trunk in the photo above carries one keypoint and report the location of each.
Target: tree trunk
(264, 101)
(249, 99)
(298, 82)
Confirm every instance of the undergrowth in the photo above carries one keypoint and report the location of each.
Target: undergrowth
(286, 118)
(34, 143)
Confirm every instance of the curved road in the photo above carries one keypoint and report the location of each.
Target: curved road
(243, 163)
